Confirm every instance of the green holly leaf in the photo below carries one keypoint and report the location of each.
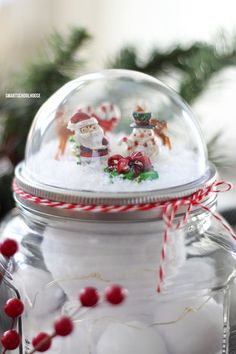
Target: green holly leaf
(129, 175)
(147, 176)
(114, 174)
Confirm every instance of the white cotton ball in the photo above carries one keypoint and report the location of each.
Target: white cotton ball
(88, 256)
(130, 338)
(34, 285)
(197, 333)
(193, 279)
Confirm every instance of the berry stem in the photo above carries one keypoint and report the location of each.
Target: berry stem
(75, 312)
(85, 311)
(13, 323)
(3, 269)
(45, 340)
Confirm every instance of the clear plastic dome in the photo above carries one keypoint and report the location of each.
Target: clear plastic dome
(115, 131)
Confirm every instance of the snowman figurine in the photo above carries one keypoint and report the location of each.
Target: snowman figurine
(143, 137)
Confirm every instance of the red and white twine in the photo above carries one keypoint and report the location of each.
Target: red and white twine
(169, 209)
(196, 199)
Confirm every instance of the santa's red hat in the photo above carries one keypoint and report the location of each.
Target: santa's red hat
(80, 120)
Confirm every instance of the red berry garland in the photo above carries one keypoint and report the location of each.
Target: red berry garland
(8, 247)
(115, 294)
(10, 339)
(14, 308)
(89, 297)
(63, 326)
(42, 342)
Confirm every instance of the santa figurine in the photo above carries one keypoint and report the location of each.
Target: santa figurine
(90, 141)
(143, 137)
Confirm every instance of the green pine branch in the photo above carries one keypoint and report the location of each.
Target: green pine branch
(197, 63)
(44, 77)
(158, 60)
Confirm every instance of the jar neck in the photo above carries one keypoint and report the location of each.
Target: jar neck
(136, 213)
(197, 220)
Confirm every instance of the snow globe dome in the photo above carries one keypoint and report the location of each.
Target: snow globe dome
(133, 113)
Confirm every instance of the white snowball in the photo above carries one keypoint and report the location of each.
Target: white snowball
(33, 284)
(199, 332)
(130, 338)
(127, 258)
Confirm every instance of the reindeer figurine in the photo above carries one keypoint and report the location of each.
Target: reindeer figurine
(159, 127)
(62, 131)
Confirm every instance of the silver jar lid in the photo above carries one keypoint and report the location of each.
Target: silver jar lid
(88, 198)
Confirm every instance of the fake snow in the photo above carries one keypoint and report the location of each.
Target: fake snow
(175, 167)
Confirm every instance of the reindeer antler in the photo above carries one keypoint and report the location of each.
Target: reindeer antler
(139, 108)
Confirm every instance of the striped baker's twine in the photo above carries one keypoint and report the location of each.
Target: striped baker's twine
(169, 209)
(82, 207)
(172, 207)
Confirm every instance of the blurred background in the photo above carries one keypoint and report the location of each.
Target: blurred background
(190, 45)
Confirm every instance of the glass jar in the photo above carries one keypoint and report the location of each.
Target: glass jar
(159, 239)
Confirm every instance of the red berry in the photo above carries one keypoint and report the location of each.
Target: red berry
(9, 247)
(115, 294)
(14, 308)
(42, 342)
(10, 339)
(89, 297)
(63, 326)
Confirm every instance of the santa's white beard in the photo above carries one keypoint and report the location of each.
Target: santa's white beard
(91, 140)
